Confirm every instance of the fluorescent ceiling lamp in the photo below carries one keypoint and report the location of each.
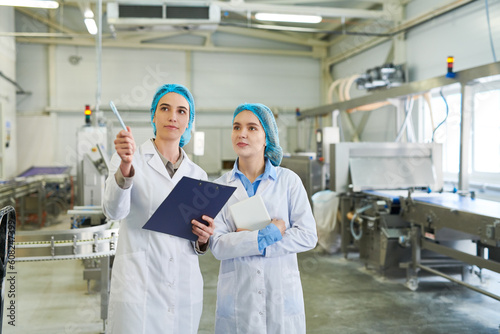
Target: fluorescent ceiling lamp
(88, 13)
(288, 18)
(91, 26)
(30, 3)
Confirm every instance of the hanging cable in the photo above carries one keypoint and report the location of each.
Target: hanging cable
(357, 236)
(447, 111)
(408, 110)
(410, 132)
(489, 30)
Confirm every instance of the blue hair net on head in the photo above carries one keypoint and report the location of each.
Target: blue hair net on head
(273, 150)
(181, 90)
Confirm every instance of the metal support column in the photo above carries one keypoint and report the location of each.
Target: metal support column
(105, 282)
(413, 269)
(465, 137)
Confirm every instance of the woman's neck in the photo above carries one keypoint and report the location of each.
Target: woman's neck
(168, 149)
(252, 167)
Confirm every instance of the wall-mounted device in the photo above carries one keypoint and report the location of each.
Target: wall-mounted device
(387, 76)
(162, 15)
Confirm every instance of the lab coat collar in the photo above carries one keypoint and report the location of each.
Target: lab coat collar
(268, 177)
(269, 171)
(185, 168)
(155, 162)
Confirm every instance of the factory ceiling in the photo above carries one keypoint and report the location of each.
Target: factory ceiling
(229, 26)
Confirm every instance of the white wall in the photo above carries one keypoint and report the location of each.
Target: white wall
(222, 81)
(8, 123)
(219, 82)
(462, 33)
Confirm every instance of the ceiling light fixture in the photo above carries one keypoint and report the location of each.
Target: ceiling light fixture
(288, 18)
(30, 3)
(91, 26)
(88, 16)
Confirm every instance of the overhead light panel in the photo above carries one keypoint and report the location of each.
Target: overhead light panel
(88, 16)
(288, 18)
(30, 3)
(91, 26)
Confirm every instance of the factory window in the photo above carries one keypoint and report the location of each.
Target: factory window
(484, 162)
(442, 125)
(485, 138)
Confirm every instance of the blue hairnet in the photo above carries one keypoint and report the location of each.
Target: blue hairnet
(273, 150)
(181, 90)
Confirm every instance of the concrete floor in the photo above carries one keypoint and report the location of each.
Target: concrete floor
(341, 296)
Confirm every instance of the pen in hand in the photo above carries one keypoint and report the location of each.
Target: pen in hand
(115, 111)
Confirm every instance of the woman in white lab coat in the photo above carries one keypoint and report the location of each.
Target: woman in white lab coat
(156, 284)
(259, 289)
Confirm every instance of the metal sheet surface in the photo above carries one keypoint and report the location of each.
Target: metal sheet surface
(361, 166)
(461, 203)
(391, 172)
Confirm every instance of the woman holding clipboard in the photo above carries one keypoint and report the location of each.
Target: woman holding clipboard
(259, 288)
(156, 284)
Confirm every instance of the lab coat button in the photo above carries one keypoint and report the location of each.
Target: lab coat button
(261, 313)
(260, 292)
(171, 259)
(258, 272)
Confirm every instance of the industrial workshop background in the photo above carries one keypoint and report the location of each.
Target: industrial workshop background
(393, 106)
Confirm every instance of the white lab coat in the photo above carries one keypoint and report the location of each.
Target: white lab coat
(156, 284)
(257, 294)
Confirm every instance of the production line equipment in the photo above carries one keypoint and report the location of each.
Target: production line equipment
(362, 174)
(86, 243)
(441, 223)
(394, 212)
(39, 194)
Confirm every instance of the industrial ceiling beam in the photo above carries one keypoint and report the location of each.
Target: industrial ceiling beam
(401, 28)
(108, 43)
(45, 20)
(238, 6)
(272, 36)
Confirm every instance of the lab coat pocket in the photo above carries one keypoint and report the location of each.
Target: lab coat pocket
(292, 294)
(226, 295)
(129, 278)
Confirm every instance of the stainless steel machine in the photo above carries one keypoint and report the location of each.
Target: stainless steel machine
(442, 223)
(308, 169)
(92, 167)
(370, 221)
(395, 213)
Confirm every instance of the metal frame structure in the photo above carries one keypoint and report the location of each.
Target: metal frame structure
(379, 166)
(7, 234)
(20, 189)
(97, 242)
(466, 79)
(452, 217)
(50, 189)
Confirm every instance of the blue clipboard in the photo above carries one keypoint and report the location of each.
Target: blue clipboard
(190, 199)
